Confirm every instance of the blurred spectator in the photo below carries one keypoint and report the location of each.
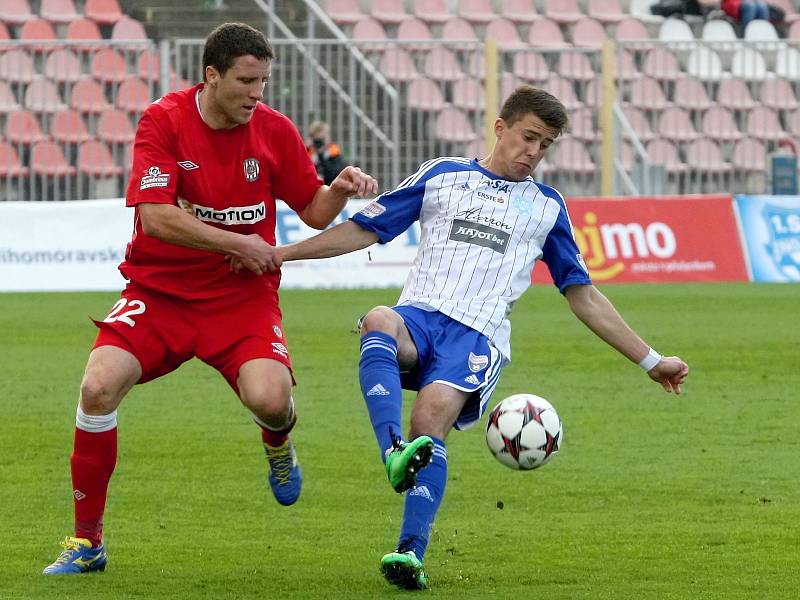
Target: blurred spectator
(744, 11)
(326, 155)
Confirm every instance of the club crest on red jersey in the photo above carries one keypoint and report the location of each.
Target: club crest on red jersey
(251, 169)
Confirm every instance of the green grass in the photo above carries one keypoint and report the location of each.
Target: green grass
(652, 496)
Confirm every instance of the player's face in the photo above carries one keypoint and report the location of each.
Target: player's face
(239, 90)
(521, 146)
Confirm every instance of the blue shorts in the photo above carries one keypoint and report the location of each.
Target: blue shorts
(453, 354)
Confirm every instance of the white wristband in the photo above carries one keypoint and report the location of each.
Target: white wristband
(651, 360)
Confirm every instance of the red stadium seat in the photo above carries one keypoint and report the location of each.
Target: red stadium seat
(605, 11)
(763, 124)
(367, 31)
(41, 96)
(626, 66)
(530, 66)
(105, 12)
(777, 94)
(734, 94)
(505, 34)
(414, 29)
(68, 127)
(664, 152)
(631, 29)
(564, 90)
(522, 12)
(47, 158)
(639, 123)
(544, 33)
(794, 123)
(4, 34)
(115, 127)
(588, 33)
(389, 11)
(475, 149)
(16, 66)
(83, 29)
(10, 165)
(675, 124)
(719, 124)
(37, 29)
(458, 30)
(134, 95)
(469, 95)
(425, 95)
(15, 12)
(563, 12)
(397, 66)
(582, 125)
(476, 11)
(108, 65)
(59, 11)
(575, 66)
(128, 29)
(691, 94)
(148, 65)
(647, 94)
(344, 12)
(432, 11)
(749, 155)
(661, 64)
(705, 156)
(572, 156)
(88, 97)
(441, 65)
(23, 128)
(63, 65)
(8, 101)
(94, 158)
(453, 126)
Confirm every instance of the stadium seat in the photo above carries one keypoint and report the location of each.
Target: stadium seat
(115, 127)
(661, 64)
(68, 127)
(63, 66)
(705, 156)
(787, 63)
(588, 33)
(15, 12)
(469, 95)
(749, 155)
(663, 152)
(148, 65)
(388, 11)
(133, 95)
(479, 12)
(505, 34)
(58, 11)
(647, 94)
(605, 11)
(47, 158)
(705, 64)
(16, 66)
(10, 165)
(582, 125)
(452, 125)
(87, 96)
(777, 94)
(425, 95)
(563, 12)
(759, 30)
(675, 30)
(522, 12)
(441, 64)
(691, 94)
(626, 66)
(640, 9)
(367, 32)
(631, 29)
(476, 64)
(128, 29)
(41, 96)
(343, 12)
(397, 66)
(570, 155)
(575, 66)
(544, 33)
(639, 123)
(457, 30)
(83, 29)
(530, 66)
(94, 158)
(4, 34)
(763, 124)
(748, 64)
(793, 121)
(591, 93)
(564, 90)
(674, 124)
(432, 11)
(414, 29)
(509, 83)
(108, 65)
(718, 30)
(105, 12)
(734, 94)
(37, 29)
(8, 101)
(719, 124)
(475, 149)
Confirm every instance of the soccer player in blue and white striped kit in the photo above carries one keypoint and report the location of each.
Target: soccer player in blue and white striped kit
(484, 224)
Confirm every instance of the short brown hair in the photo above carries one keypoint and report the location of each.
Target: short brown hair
(527, 99)
(229, 41)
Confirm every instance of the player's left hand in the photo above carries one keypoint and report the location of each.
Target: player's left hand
(670, 372)
(352, 181)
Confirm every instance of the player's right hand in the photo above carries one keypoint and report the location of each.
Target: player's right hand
(670, 372)
(257, 256)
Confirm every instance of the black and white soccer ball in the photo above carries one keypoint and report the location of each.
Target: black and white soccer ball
(524, 432)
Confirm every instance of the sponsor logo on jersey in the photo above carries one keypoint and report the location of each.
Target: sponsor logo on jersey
(464, 187)
(279, 348)
(277, 331)
(154, 179)
(373, 209)
(233, 215)
(485, 196)
(477, 362)
(474, 214)
(522, 205)
(472, 379)
(188, 165)
(251, 169)
(480, 235)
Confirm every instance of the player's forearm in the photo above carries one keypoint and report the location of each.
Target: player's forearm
(345, 237)
(324, 208)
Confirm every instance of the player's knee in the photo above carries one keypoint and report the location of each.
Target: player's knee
(380, 318)
(97, 398)
(270, 405)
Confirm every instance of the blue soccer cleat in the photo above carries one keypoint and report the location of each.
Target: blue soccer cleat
(285, 477)
(78, 556)
(404, 570)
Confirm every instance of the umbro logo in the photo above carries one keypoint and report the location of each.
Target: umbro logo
(79, 495)
(472, 379)
(378, 390)
(188, 165)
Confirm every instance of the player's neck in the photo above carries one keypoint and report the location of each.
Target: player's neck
(206, 108)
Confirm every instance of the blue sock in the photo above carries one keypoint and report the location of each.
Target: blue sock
(422, 503)
(379, 375)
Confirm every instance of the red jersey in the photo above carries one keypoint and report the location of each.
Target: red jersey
(230, 176)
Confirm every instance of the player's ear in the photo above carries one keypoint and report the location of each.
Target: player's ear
(212, 75)
(499, 127)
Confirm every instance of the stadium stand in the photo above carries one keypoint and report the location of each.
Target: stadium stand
(749, 65)
(83, 29)
(388, 11)
(705, 64)
(94, 158)
(763, 124)
(16, 66)
(563, 12)
(705, 156)
(115, 127)
(521, 12)
(588, 33)
(134, 95)
(37, 29)
(344, 12)
(691, 94)
(68, 127)
(505, 34)
(104, 12)
(128, 29)
(777, 94)
(425, 95)
(478, 12)
(108, 66)
(15, 12)
(41, 96)
(47, 158)
(545, 33)
(664, 152)
(10, 164)
(441, 64)
(397, 65)
(662, 64)
(412, 30)
(63, 66)
(675, 124)
(647, 94)
(457, 30)
(59, 11)
(734, 94)
(605, 11)
(530, 67)
(787, 63)
(453, 126)
(88, 96)
(631, 29)
(432, 11)
(719, 124)
(575, 66)
(469, 95)
(8, 100)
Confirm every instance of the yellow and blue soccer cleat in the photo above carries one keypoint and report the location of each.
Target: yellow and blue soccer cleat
(406, 459)
(78, 556)
(404, 570)
(285, 477)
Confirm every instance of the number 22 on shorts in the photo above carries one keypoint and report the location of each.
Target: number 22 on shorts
(120, 313)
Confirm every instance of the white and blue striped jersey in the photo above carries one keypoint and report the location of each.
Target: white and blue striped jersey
(480, 237)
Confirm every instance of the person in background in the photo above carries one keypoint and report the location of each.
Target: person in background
(326, 156)
(744, 11)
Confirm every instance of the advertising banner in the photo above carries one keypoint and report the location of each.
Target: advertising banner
(771, 231)
(664, 239)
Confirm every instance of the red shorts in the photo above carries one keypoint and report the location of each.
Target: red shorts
(163, 332)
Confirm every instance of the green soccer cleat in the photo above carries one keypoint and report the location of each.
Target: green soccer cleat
(78, 556)
(406, 459)
(404, 570)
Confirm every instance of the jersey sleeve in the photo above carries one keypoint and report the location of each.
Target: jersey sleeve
(561, 254)
(154, 176)
(391, 213)
(296, 181)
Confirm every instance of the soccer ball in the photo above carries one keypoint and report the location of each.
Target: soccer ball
(524, 432)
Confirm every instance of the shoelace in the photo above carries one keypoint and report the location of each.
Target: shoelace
(281, 461)
(66, 554)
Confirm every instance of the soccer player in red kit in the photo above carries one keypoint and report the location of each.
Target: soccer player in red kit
(208, 163)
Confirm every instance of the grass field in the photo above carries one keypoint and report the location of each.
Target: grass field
(652, 496)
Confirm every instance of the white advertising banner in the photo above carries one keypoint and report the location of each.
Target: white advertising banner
(77, 246)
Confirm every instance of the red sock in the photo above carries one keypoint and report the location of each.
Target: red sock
(93, 459)
(277, 438)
